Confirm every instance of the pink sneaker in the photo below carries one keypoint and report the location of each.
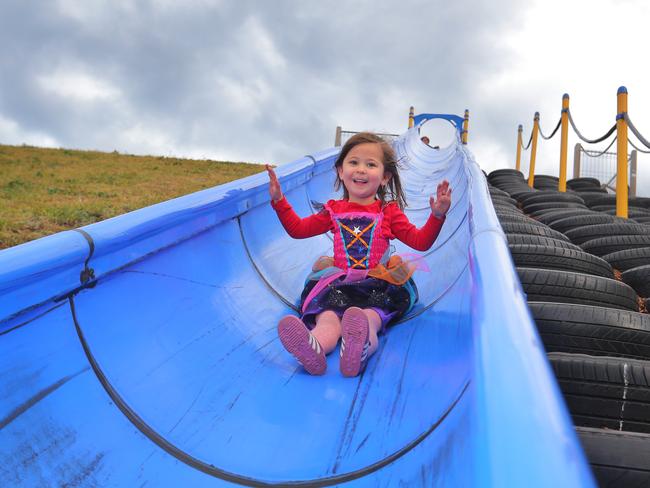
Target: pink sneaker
(297, 339)
(354, 342)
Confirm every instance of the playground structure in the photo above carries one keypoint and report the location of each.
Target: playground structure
(143, 350)
(623, 176)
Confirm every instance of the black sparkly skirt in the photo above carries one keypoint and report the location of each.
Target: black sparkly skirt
(389, 300)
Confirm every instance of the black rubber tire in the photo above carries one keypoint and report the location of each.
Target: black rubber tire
(584, 180)
(545, 185)
(628, 258)
(504, 207)
(582, 187)
(524, 230)
(568, 223)
(548, 211)
(631, 211)
(508, 210)
(541, 193)
(641, 201)
(495, 192)
(639, 279)
(538, 230)
(514, 190)
(547, 196)
(610, 244)
(590, 232)
(505, 203)
(549, 285)
(550, 257)
(603, 200)
(536, 207)
(503, 181)
(516, 239)
(583, 192)
(512, 217)
(517, 194)
(618, 459)
(605, 392)
(504, 200)
(505, 171)
(506, 213)
(641, 220)
(552, 215)
(543, 177)
(597, 331)
(609, 200)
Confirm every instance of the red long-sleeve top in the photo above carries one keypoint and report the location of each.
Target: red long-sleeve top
(396, 225)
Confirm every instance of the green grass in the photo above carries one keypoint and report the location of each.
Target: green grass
(43, 191)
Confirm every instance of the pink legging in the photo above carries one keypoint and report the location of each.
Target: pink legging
(328, 329)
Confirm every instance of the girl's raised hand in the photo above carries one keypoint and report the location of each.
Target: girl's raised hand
(440, 205)
(274, 185)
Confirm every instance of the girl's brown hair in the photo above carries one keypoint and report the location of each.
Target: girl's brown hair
(393, 188)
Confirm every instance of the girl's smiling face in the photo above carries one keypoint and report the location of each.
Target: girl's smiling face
(362, 172)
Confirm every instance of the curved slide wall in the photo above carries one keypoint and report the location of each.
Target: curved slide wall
(164, 368)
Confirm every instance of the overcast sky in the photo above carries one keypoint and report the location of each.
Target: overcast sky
(270, 80)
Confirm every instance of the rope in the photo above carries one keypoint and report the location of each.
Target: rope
(529, 141)
(635, 131)
(559, 122)
(590, 141)
(595, 154)
(634, 146)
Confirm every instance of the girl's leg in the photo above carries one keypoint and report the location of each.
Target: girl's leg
(355, 331)
(374, 326)
(297, 339)
(327, 330)
(359, 332)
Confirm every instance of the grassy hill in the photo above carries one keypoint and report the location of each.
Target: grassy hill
(43, 191)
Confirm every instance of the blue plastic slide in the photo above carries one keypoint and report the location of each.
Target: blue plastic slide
(142, 351)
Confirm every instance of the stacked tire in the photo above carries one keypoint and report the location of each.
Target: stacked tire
(586, 274)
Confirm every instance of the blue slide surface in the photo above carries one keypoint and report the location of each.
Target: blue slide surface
(142, 351)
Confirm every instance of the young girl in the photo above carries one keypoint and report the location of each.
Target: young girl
(354, 295)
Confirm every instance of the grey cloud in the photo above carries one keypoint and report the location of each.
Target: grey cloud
(247, 80)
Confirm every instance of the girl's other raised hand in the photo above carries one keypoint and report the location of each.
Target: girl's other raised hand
(274, 185)
(440, 205)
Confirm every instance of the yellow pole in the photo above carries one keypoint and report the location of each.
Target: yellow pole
(621, 153)
(564, 141)
(411, 120)
(465, 126)
(533, 150)
(519, 143)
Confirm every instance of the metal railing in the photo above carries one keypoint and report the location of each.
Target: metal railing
(343, 135)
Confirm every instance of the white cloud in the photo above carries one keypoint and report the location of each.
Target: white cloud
(90, 13)
(12, 133)
(255, 41)
(77, 86)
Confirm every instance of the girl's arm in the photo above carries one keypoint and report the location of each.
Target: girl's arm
(440, 206)
(301, 228)
(295, 226)
(419, 239)
(422, 239)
